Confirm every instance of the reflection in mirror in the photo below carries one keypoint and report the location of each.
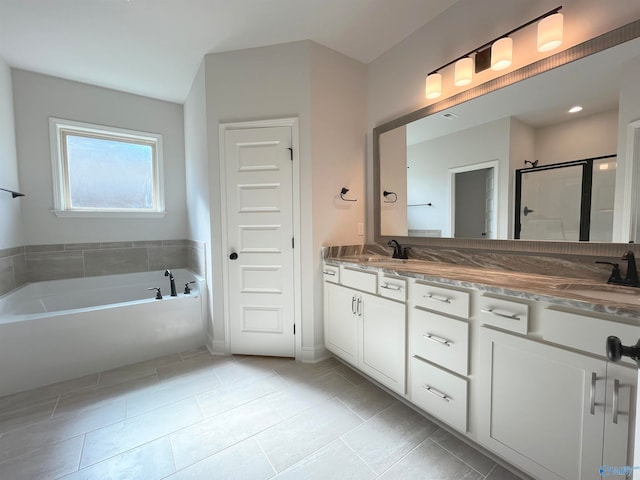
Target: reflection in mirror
(567, 201)
(454, 171)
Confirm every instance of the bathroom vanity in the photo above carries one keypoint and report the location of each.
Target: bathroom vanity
(513, 362)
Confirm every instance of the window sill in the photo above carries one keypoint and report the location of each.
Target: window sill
(95, 214)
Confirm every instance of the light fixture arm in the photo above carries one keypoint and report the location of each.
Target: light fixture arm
(489, 43)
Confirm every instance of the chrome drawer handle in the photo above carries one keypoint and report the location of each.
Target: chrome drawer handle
(439, 299)
(395, 288)
(616, 400)
(328, 272)
(502, 315)
(440, 340)
(592, 394)
(436, 393)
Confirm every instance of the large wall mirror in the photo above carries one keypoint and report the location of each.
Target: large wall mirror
(449, 170)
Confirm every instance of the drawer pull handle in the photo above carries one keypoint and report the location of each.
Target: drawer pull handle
(502, 315)
(440, 340)
(436, 298)
(436, 393)
(329, 272)
(395, 288)
(616, 400)
(592, 394)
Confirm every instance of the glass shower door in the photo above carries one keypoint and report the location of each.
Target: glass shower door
(550, 203)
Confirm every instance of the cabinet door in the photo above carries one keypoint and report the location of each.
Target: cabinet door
(541, 407)
(383, 341)
(619, 420)
(341, 321)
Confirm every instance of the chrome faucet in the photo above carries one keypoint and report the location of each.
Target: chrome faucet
(167, 273)
(398, 251)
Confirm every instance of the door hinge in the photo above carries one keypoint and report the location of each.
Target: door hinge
(293, 243)
(294, 328)
(291, 152)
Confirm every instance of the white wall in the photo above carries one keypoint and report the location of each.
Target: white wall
(338, 155)
(197, 174)
(38, 97)
(396, 79)
(429, 164)
(629, 112)
(326, 92)
(584, 137)
(393, 158)
(10, 224)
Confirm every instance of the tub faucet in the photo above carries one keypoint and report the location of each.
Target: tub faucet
(167, 273)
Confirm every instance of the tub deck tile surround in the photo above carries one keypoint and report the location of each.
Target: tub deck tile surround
(34, 263)
(13, 270)
(197, 416)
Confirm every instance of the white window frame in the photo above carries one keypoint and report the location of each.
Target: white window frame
(58, 128)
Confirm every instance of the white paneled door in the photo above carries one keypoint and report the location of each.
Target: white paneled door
(259, 166)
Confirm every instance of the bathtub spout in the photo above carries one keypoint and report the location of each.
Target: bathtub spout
(167, 273)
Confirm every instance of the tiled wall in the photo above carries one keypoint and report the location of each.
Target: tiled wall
(35, 263)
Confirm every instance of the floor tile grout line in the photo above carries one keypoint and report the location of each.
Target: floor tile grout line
(173, 455)
(55, 406)
(457, 457)
(357, 454)
(351, 410)
(273, 467)
(491, 471)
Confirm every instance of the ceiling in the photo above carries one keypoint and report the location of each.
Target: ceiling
(154, 47)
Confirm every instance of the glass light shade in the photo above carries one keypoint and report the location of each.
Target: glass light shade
(463, 72)
(501, 54)
(433, 87)
(550, 32)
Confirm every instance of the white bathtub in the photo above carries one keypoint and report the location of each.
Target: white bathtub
(57, 330)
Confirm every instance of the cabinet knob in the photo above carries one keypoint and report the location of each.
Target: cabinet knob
(615, 350)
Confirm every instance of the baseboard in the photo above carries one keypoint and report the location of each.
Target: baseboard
(313, 354)
(217, 347)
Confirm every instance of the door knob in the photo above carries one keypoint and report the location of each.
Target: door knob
(615, 350)
(233, 256)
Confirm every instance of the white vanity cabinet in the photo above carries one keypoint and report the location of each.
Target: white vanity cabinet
(552, 411)
(439, 352)
(383, 340)
(365, 329)
(341, 307)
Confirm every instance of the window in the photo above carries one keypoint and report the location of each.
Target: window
(105, 171)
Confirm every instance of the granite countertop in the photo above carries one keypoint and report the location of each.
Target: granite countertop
(563, 291)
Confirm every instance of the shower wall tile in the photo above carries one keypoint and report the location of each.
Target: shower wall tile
(81, 246)
(196, 257)
(173, 242)
(115, 261)
(48, 265)
(161, 258)
(44, 248)
(7, 282)
(148, 243)
(116, 245)
(19, 270)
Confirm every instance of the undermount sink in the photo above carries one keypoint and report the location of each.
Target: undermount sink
(612, 293)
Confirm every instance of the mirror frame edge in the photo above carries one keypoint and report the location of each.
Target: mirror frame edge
(597, 44)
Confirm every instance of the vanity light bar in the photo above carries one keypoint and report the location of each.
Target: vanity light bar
(550, 30)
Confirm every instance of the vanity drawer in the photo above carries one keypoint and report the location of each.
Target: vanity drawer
(395, 288)
(439, 393)
(505, 314)
(445, 300)
(586, 333)
(439, 339)
(359, 279)
(331, 273)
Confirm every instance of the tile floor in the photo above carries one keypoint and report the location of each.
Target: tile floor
(197, 416)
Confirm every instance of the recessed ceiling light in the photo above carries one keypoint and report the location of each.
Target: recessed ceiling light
(575, 109)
